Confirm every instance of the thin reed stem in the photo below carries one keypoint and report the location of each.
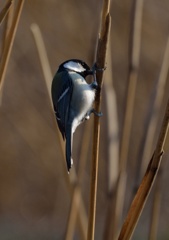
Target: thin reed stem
(112, 129)
(43, 57)
(75, 203)
(8, 23)
(134, 55)
(113, 146)
(157, 101)
(74, 207)
(151, 121)
(100, 63)
(5, 10)
(9, 42)
(71, 180)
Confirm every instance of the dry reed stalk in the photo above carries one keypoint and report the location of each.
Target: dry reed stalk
(8, 23)
(100, 63)
(5, 10)
(74, 208)
(115, 202)
(72, 178)
(112, 129)
(113, 147)
(134, 54)
(147, 182)
(43, 57)
(9, 42)
(154, 109)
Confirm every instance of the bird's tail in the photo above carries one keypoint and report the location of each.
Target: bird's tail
(69, 143)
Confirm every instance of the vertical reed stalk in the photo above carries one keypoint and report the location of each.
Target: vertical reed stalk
(113, 145)
(8, 23)
(147, 140)
(157, 101)
(75, 202)
(134, 54)
(72, 179)
(100, 63)
(112, 129)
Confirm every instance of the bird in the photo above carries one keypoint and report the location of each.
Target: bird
(73, 99)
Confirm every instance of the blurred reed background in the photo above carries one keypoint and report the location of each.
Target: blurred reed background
(35, 190)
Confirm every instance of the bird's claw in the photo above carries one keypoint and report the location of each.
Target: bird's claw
(95, 68)
(98, 114)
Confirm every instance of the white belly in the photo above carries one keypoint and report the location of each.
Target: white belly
(82, 98)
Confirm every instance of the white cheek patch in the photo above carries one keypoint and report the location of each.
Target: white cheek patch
(74, 66)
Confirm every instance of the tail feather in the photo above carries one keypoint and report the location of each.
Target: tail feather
(69, 143)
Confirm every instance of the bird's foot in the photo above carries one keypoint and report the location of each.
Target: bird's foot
(95, 68)
(98, 114)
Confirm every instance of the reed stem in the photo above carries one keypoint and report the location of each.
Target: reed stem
(9, 42)
(100, 63)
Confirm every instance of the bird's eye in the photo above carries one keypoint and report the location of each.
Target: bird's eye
(83, 65)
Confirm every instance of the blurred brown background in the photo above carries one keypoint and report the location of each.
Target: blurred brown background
(34, 199)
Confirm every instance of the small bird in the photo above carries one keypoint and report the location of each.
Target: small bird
(72, 99)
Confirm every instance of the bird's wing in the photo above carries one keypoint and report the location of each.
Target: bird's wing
(61, 95)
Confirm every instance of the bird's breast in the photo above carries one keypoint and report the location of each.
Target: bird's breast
(83, 95)
(82, 98)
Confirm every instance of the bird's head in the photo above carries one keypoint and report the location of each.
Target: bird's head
(77, 66)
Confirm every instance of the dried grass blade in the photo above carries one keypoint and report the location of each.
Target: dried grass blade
(5, 10)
